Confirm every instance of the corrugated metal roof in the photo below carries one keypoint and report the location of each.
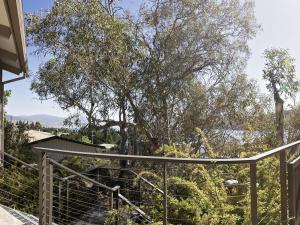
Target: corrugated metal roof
(35, 135)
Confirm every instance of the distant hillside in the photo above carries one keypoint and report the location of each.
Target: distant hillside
(45, 120)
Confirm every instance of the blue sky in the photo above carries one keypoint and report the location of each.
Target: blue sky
(280, 21)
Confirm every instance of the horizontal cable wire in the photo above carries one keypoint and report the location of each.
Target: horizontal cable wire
(77, 211)
(74, 219)
(15, 195)
(61, 197)
(9, 178)
(10, 186)
(76, 200)
(17, 167)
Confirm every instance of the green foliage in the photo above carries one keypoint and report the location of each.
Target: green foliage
(292, 124)
(7, 94)
(122, 216)
(81, 164)
(86, 139)
(21, 189)
(195, 192)
(16, 141)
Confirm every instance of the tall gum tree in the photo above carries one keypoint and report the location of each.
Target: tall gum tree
(86, 52)
(280, 74)
(144, 67)
(186, 44)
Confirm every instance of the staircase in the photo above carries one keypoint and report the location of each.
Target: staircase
(76, 201)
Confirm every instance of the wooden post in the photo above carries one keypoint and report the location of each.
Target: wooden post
(253, 192)
(165, 219)
(1, 119)
(45, 190)
(283, 188)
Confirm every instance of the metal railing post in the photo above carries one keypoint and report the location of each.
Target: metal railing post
(291, 194)
(50, 193)
(42, 188)
(253, 192)
(140, 191)
(111, 200)
(45, 190)
(68, 193)
(116, 196)
(165, 219)
(283, 188)
(59, 199)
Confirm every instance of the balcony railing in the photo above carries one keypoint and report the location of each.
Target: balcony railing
(65, 195)
(167, 162)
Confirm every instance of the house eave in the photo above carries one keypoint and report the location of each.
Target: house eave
(13, 55)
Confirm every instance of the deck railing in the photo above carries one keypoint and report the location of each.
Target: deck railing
(166, 162)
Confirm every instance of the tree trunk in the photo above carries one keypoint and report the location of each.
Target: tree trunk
(165, 133)
(124, 135)
(279, 119)
(123, 129)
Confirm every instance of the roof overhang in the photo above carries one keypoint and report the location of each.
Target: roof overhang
(13, 56)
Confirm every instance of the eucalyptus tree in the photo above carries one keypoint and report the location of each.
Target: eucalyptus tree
(143, 67)
(280, 74)
(86, 52)
(186, 45)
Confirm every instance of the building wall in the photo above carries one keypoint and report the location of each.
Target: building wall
(64, 145)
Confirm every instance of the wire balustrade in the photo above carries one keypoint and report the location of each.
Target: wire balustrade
(154, 189)
(155, 192)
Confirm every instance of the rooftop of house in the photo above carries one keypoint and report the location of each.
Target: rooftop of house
(36, 135)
